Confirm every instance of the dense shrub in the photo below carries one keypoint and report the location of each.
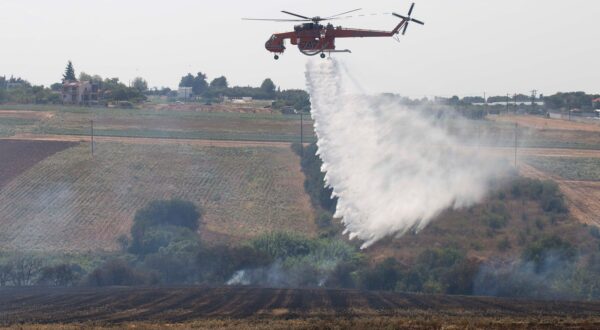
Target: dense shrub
(315, 180)
(60, 275)
(551, 247)
(282, 245)
(546, 192)
(120, 273)
(161, 222)
(383, 276)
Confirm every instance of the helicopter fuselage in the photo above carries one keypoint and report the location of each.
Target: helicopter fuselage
(313, 38)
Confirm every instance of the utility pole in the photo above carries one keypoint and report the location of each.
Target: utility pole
(92, 139)
(485, 110)
(516, 141)
(302, 133)
(507, 101)
(533, 98)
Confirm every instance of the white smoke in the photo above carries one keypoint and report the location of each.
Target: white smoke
(393, 168)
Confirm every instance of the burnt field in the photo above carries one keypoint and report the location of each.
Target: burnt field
(17, 156)
(112, 306)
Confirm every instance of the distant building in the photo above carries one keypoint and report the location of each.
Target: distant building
(288, 110)
(239, 100)
(184, 93)
(79, 92)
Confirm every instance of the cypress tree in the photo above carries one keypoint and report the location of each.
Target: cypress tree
(69, 73)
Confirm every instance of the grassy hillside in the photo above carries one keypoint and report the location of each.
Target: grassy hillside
(71, 201)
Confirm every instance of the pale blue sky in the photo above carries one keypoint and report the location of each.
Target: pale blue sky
(466, 47)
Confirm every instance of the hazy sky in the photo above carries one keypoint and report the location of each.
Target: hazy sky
(466, 47)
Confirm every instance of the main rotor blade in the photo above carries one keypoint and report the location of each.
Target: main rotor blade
(405, 27)
(348, 12)
(275, 20)
(417, 21)
(289, 13)
(398, 15)
(411, 9)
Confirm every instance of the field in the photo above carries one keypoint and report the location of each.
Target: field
(56, 197)
(244, 308)
(72, 201)
(237, 165)
(18, 156)
(151, 123)
(541, 123)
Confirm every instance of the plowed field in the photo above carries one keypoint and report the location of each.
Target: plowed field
(17, 156)
(186, 304)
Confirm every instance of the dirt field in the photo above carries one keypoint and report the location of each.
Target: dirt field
(73, 202)
(17, 156)
(25, 114)
(244, 307)
(583, 197)
(542, 123)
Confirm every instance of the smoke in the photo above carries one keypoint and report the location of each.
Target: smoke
(393, 168)
(291, 273)
(553, 278)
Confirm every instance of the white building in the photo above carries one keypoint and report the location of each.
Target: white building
(79, 92)
(184, 93)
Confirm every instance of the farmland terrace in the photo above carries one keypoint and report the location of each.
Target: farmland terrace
(246, 305)
(73, 201)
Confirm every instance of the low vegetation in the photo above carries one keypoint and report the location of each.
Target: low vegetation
(575, 168)
(164, 247)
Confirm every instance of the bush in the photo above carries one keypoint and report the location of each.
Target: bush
(504, 245)
(540, 251)
(495, 221)
(384, 276)
(551, 198)
(282, 245)
(60, 275)
(118, 272)
(546, 192)
(157, 238)
(595, 232)
(161, 222)
(315, 180)
(173, 212)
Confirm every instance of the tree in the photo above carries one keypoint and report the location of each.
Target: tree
(60, 275)
(198, 83)
(187, 81)
(69, 73)
(140, 84)
(268, 87)
(88, 77)
(220, 82)
(162, 222)
(117, 272)
(24, 269)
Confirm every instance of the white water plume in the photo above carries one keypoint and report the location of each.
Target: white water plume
(392, 168)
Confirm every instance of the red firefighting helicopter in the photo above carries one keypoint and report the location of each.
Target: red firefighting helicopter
(314, 38)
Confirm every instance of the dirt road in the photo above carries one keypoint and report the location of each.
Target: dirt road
(152, 141)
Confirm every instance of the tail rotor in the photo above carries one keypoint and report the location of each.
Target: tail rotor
(408, 18)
